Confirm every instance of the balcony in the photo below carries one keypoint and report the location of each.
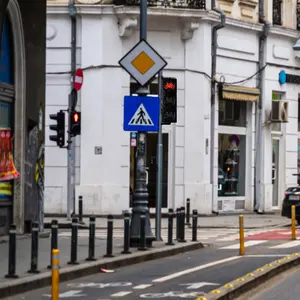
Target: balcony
(189, 4)
(277, 12)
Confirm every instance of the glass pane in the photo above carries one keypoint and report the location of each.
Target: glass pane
(275, 170)
(232, 113)
(5, 115)
(232, 158)
(276, 126)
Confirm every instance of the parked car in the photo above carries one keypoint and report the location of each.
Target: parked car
(291, 197)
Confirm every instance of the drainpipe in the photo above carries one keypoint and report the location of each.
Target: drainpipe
(214, 46)
(259, 157)
(72, 105)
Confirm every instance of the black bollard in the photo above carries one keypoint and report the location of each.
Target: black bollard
(142, 246)
(80, 210)
(74, 242)
(34, 248)
(177, 223)
(109, 242)
(54, 244)
(170, 227)
(181, 225)
(91, 256)
(126, 233)
(195, 225)
(188, 211)
(12, 252)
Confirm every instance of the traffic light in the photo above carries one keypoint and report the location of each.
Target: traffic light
(75, 123)
(59, 138)
(169, 101)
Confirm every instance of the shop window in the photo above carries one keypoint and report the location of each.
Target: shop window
(276, 97)
(5, 115)
(232, 113)
(232, 158)
(298, 112)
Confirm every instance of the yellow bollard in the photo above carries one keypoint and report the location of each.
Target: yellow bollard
(293, 222)
(55, 274)
(242, 238)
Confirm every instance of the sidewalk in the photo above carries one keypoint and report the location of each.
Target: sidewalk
(221, 221)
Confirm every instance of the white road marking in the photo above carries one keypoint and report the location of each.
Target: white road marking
(286, 245)
(68, 294)
(121, 294)
(247, 244)
(267, 255)
(141, 286)
(197, 285)
(195, 269)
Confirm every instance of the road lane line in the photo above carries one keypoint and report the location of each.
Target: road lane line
(141, 286)
(267, 255)
(195, 269)
(286, 245)
(121, 294)
(247, 244)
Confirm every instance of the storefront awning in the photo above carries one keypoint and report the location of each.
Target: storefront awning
(239, 93)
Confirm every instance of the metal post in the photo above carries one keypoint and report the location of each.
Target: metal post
(242, 238)
(177, 223)
(34, 248)
(71, 105)
(159, 176)
(80, 210)
(126, 233)
(188, 211)
(74, 242)
(293, 215)
(194, 225)
(91, 256)
(170, 227)
(54, 232)
(55, 275)
(142, 246)
(140, 196)
(12, 252)
(109, 239)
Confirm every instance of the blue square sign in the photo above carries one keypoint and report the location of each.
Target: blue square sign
(141, 113)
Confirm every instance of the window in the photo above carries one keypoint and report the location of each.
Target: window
(5, 115)
(232, 113)
(277, 12)
(232, 161)
(276, 97)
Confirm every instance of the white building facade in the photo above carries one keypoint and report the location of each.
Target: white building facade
(105, 33)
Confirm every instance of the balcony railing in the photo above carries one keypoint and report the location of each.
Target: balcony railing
(277, 12)
(298, 14)
(191, 4)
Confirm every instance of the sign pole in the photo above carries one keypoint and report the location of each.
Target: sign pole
(140, 195)
(159, 176)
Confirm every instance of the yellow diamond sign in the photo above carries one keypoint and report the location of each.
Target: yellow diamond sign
(142, 62)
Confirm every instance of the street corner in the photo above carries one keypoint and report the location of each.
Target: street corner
(241, 285)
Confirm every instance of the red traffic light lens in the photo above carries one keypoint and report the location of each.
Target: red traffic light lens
(76, 117)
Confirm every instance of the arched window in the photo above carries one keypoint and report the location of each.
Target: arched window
(6, 54)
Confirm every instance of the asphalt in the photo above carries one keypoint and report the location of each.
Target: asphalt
(187, 276)
(284, 287)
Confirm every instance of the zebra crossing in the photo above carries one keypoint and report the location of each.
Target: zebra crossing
(223, 239)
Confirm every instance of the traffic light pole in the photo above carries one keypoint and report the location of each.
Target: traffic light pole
(140, 195)
(159, 155)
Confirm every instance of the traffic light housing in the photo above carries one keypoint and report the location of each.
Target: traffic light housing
(169, 101)
(75, 123)
(59, 138)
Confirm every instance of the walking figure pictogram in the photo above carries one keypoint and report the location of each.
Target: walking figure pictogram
(141, 117)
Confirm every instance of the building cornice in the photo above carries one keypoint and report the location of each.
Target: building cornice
(132, 12)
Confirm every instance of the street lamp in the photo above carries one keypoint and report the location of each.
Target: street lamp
(297, 45)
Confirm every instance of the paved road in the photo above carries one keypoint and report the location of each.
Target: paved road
(183, 276)
(284, 287)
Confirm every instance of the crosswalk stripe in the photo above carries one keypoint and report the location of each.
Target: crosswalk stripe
(247, 244)
(286, 245)
(142, 286)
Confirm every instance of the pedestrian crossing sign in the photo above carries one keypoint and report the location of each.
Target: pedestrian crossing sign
(141, 113)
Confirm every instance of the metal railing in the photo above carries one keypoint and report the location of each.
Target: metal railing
(277, 12)
(191, 4)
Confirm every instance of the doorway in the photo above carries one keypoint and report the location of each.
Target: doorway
(275, 170)
(151, 169)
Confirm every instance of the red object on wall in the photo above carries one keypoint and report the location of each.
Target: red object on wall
(7, 166)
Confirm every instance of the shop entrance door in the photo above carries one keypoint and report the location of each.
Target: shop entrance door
(275, 170)
(151, 168)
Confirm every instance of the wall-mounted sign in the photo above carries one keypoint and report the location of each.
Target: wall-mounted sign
(288, 78)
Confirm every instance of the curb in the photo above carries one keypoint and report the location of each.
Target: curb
(22, 285)
(241, 285)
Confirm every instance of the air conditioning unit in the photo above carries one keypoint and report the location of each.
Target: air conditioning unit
(279, 111)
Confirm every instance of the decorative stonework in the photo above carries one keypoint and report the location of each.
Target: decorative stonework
(188, 30)
(126, 26)
(248, 8)
(226, 6)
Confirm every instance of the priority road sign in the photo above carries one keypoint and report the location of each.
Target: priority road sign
(78, 79)
(142, 62)
(141, 113)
